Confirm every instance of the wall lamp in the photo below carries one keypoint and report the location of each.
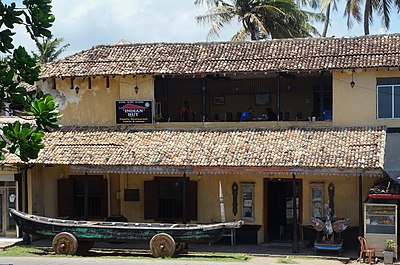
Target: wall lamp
(136, 89)
(77, 90)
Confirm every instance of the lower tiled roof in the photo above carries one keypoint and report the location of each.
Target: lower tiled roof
(341, 148)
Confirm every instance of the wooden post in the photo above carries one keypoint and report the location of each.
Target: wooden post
(360, 207)
(295, 243)
(321, 96)
(184, 199)
(203, 100)
(278, 97)
(26, 237)
(86, 198)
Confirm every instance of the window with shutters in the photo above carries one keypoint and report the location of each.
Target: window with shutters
(164, 199)
(82, 197)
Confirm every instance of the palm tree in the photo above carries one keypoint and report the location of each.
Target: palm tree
(328, 6)
(259, 18)
(48, 49)
(381, 7)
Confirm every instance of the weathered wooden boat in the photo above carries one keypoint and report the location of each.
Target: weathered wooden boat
(166, 240)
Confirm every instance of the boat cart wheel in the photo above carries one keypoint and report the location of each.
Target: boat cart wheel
(162, 245)
(179, 248)
(65, 243)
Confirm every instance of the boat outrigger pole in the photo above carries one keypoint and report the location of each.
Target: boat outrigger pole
(221, 202)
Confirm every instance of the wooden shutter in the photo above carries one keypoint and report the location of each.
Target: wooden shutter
(104, 199)
(191, 197)
(150, 199)
(65, 197)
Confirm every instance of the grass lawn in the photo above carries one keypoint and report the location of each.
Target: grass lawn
(287, 260)
(23, 251)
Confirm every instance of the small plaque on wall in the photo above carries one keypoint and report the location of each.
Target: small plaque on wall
(131, 195)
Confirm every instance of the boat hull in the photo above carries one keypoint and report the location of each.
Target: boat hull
(118, 231)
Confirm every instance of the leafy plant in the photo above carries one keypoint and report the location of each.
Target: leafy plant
(390, 245)
(25, 139)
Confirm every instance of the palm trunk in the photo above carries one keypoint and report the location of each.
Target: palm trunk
(367, 14)
(327, 18)
(253, 32)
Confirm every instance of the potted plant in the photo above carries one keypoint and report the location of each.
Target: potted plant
(388, 252)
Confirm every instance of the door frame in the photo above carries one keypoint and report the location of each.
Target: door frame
(5, 191)
(265, 207)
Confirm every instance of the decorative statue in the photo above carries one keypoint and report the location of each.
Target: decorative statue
(327, 227)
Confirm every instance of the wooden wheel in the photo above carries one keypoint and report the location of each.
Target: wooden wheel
(84, 247)
(162, 245)
(179, 248)
(65, 243)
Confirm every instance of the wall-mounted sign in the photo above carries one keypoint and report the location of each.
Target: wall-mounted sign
(134, 111)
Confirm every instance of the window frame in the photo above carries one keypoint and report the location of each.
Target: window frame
(248, 212)
(152, 199)
(392, 83)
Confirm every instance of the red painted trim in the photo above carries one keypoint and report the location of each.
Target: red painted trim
(384, 196)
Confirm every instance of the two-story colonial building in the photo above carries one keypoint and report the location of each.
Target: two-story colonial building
(127, 146)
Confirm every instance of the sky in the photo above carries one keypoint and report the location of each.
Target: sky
(86, 23)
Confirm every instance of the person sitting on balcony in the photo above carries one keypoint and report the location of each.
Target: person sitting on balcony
(271, 115)
(186, 112)
(247, 115)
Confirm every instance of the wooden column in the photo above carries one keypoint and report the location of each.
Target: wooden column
(86, 198)
(184, 199)
(360, 207)
(278, 97)
(321, 94)
(26, 237)
(295, 243)
(203, 99)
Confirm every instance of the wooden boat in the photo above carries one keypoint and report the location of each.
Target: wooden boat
(70, 237)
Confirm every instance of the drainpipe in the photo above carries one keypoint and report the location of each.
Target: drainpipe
(295, 243)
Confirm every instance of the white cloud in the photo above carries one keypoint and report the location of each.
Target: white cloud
(85, 23)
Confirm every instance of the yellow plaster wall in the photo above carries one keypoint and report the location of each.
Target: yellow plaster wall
(133, 210)
(345, 199)
(114, 185)
(145, 84)
(43, 191)
(96, 106)
(357, 106)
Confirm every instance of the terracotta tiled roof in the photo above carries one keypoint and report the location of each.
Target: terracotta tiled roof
(307, 54)
(342, 148)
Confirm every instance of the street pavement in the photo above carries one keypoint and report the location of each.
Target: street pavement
(152, 261)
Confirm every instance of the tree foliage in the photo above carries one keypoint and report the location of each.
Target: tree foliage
(17, 66)
(49, 49)
(362, 11)
(259, 18)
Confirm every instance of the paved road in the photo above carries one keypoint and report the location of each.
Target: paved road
(102, 261)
